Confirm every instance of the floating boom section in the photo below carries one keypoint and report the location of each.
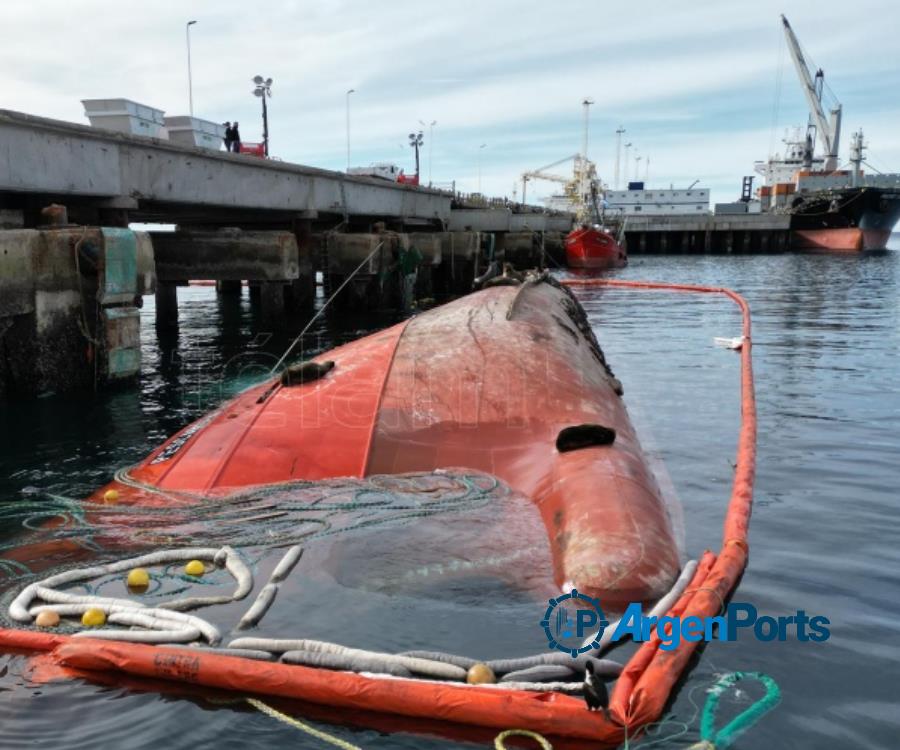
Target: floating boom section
(508, 381)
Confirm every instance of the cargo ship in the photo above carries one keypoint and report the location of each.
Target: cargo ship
(831, 208)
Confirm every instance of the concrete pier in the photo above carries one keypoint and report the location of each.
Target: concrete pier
(729, 233)
(69, 299)
(70, 292)
(230, 256)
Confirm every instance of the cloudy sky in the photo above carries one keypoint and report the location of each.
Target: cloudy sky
(694, 83)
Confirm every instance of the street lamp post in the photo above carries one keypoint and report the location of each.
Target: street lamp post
(187, 34)
(627, 146)
(480, 148)
(619, 132)
(349, 91)
(430, 145)
(264, 91)
(415, 140)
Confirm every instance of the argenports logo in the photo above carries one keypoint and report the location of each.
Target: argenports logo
(574, 623)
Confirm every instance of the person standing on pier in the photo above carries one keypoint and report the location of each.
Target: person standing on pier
(229, 136)
(235, 139)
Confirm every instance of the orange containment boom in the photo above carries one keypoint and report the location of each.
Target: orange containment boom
(380, 421)
(643, 688)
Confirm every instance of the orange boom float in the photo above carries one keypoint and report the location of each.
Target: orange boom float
(508, 384)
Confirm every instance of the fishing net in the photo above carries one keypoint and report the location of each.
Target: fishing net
(449, 560)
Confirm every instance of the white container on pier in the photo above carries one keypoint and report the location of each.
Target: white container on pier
(192, 131)
(125, 116)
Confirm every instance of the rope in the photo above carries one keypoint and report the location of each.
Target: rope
(301, 725)
(284, 718)
(322, 309)
(500, 744)
(721, 739)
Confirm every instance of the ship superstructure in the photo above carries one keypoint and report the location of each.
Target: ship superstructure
(831, 207)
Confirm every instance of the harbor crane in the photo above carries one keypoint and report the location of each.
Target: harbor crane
(541, 174)
(828, 130)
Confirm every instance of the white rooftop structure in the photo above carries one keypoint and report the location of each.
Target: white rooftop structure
(651, 201)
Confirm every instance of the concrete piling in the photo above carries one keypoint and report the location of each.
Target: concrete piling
(69, 314)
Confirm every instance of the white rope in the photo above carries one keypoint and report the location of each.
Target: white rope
(322, 309)
(163, 624)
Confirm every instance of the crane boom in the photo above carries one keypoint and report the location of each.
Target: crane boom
(540, 174)
(829, 132)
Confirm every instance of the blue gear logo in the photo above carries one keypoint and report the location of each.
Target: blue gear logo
(574, 623)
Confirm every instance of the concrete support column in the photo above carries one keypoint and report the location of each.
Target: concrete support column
(113, 217)
(271, 303)
(707, 241)
(301, 293)
(166, 304)
(228, 287)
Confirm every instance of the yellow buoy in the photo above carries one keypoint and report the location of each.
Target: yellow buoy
(479, 674)
(111, 496)
(138, 580)
(47, 619)
(195, 568)
(93, 618)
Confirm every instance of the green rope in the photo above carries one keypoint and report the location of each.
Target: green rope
(670, 728)
(710, 738)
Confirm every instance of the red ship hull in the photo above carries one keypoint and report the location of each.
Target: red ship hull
(849, 239)
(588, 247)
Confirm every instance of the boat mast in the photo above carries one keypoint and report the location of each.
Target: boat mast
(829, 130)
(857, 149)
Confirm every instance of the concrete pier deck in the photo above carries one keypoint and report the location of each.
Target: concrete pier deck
(709, 233)
(152, 179)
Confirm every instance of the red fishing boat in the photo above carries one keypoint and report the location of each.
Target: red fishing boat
(594, 247)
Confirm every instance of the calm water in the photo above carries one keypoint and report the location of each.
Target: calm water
(824, 534)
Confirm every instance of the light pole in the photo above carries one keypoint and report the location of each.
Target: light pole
(264, 91)
(430, 144)
(415, 140)
(646, 171)
(627, 146)
(187, 34)
(637, 165)
(586, 104)
(349, 91)
(619, 133)
(479, 166)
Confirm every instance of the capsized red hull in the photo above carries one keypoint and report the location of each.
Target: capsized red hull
(847, 239)
(590, 247)
(486, 382)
